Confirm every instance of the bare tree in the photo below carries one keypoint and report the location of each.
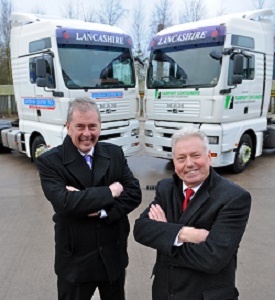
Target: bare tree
(161, 17)
(38, 10)
(222, 9)
(194, 10)
(139, 35)
(259, 4)
(139, 28)
(90, 16)
(5, 27)
(73, 10)
(111, 12)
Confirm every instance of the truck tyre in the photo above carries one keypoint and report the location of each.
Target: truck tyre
(243, 154)
(4, 149)
(4, 124)
(36, 144)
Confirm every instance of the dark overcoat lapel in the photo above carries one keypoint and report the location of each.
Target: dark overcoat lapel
(101, 163)
(199, 199)
(78, 167)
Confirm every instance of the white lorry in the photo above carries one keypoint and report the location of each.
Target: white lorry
(56, 60)
(216, 75)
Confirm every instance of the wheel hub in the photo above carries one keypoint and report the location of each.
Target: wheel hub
(40, 149)
(244, 154)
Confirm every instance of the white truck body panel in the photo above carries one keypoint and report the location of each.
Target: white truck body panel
(202, 94)
(85, 59)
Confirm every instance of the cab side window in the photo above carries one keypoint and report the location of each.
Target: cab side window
(248, 69)
(49, 70)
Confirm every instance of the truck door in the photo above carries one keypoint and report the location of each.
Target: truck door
(47, 106)
(24, 86)
(245, 100)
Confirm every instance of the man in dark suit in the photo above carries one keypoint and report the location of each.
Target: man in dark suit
(91, 203)
(196, 248)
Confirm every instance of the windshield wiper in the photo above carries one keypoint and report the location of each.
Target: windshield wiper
(112, 86)
(196, 86)
(86, 87)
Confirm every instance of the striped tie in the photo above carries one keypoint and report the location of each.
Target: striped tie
(88, 160)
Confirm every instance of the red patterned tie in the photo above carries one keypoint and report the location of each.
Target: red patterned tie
(188, 194)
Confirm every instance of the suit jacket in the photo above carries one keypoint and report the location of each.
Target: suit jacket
(89, 248)
(196, 271)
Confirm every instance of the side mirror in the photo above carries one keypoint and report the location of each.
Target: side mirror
(237, 79)
(238, 68)
(40, 67)
(41, 72)
(41, 82)
(216, 55)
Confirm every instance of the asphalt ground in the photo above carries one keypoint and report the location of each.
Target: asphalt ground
(27, 236)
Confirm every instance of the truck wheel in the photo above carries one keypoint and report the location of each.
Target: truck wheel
(4, 149)
(243, 154)
(37, 143)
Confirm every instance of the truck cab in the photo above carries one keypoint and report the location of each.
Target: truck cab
(216, 75)
(56, 60)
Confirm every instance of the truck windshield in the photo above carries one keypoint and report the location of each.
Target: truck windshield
(96, 67)
(179, 67)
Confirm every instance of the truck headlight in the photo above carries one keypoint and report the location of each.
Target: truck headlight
(213, 140)
(135, 131)
(148, 133)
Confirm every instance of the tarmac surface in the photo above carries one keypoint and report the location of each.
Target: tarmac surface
(27, 236)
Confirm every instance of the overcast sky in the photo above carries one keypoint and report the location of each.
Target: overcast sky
(56, 7)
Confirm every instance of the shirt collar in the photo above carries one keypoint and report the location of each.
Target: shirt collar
(195, 189)
(91, 152)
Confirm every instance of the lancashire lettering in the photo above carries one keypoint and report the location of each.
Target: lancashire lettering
(103, 38)
(182, 37)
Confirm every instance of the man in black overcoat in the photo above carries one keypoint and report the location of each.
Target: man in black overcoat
(92, 190)
(196, 243)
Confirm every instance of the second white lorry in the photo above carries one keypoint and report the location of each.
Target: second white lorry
(216, 75)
